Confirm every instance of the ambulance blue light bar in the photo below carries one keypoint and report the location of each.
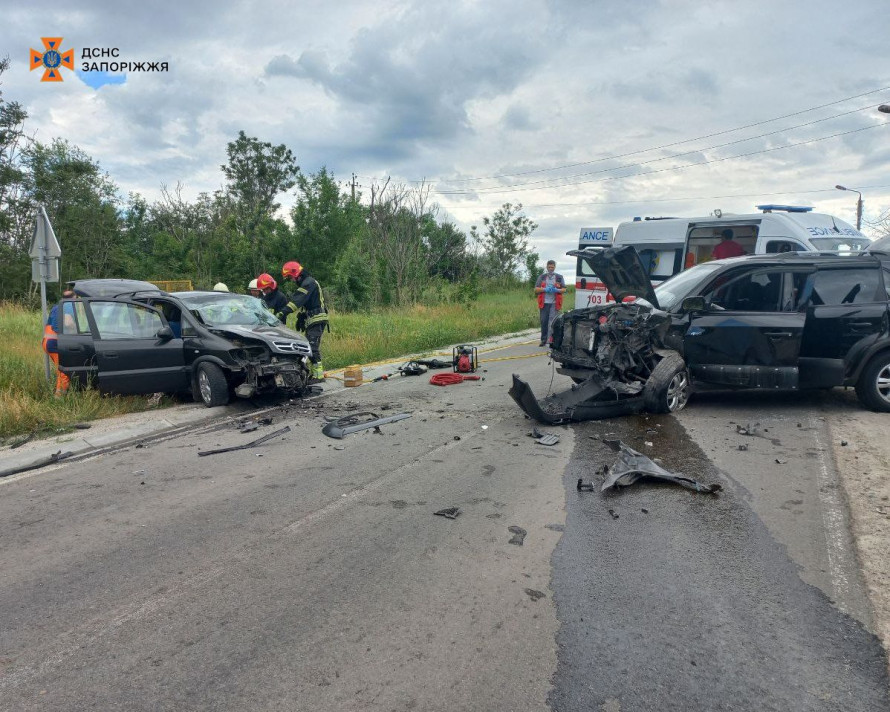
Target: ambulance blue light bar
(783, 208)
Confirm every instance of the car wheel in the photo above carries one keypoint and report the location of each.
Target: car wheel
(213, 389)
(668, 388)
(873, 386)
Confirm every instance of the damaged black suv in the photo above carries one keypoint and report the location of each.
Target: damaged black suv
(790, 321)
(128, 337)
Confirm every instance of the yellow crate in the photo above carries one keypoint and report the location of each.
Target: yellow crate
(173, 285)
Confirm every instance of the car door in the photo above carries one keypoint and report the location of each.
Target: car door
(846, 312)
(750, 334)
(77, 355)
(129, 356)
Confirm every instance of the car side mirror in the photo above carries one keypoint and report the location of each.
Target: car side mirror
(694, 304)
(165, 333)
(583, 282)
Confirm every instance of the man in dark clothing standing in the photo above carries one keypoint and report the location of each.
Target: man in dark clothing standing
(549, 288)
(312, 316)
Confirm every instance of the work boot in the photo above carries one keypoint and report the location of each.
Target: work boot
(317, 372)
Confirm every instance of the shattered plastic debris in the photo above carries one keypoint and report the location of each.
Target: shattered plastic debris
(258, 441)
(631, 466)
(448, 513)
(518, 535)
(543, 438)
(749, 429)
(353, 423)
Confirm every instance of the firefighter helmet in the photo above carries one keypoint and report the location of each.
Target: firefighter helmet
(266, 281)
(292, 270)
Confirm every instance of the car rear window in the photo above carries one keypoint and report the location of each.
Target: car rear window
(847, 286)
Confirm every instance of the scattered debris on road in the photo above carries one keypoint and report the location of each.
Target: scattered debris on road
(534, 595)
(751, 429)
(43, 462)
(352, 423)
(258, 441)
(631, 466)
(543, 438)
(518, 535)
(448, 513)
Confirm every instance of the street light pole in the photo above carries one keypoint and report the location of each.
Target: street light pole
(858, 205)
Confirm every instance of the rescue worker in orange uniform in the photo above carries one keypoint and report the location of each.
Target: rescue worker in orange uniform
(50, 342)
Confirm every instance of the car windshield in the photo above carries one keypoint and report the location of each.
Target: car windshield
(226, 309)
(674, 290)
(843, 244)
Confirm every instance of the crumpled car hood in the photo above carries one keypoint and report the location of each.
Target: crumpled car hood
(621, 270)
(266, 333)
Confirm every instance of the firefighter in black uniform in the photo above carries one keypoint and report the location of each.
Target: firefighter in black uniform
(274, 300)
(312, 316)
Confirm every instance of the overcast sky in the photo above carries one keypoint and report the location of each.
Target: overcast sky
(560, 106)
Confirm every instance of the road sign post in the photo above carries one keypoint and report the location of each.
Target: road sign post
(45, 254)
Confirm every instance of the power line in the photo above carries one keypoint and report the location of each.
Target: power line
(499, 191)
(677, 200)
(550, 184)
(647, 150)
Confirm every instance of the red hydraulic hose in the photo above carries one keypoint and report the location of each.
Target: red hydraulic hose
(449, 379)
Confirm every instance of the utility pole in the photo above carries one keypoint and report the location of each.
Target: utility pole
(353, 187)
(858, 204)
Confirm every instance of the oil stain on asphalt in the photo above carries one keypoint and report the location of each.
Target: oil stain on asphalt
(671, 599)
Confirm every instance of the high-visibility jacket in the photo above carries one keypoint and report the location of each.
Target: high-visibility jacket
(558, 281)
(308, 298)
(50, 339)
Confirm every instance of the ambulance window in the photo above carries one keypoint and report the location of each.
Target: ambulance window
(660, 263)
(779, 246)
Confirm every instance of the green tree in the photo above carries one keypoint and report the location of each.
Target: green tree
(326, 221)
(82, 204)
(505, 240)
(256, 174)
(532, 267)
(16, 211)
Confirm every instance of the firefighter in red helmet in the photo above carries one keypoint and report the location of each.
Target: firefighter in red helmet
(274, 300)
(308, 304)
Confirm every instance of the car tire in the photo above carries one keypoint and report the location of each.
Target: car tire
(211, 385)
(873, 386)
(668, 387)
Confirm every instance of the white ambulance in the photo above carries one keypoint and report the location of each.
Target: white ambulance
(670, 245)
(588, 289)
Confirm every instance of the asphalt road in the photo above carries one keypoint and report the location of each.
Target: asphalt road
(312, 574)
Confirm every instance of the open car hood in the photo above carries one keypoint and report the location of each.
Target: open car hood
(621, 270)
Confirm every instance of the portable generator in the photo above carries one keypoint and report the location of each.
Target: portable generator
(465, 359)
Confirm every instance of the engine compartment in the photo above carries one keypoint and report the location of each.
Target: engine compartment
(617, 343)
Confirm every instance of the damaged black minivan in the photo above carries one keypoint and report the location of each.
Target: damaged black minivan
(129, 337)
(788, 321)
